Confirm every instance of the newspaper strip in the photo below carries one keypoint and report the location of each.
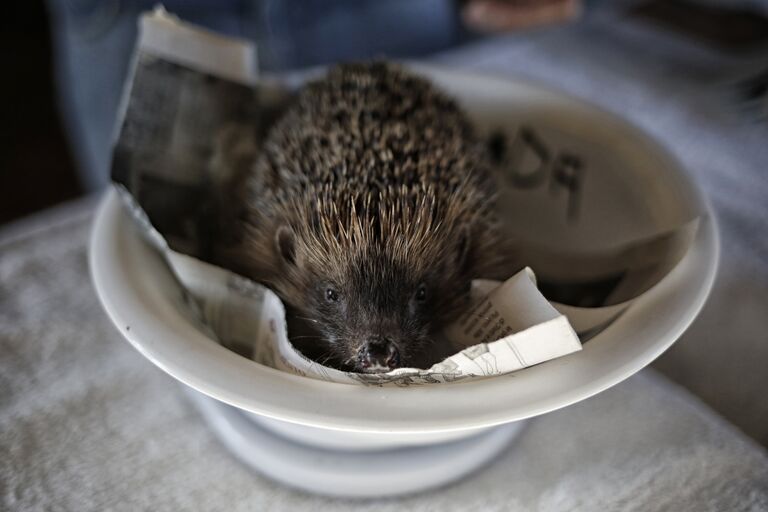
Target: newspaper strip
(168, 163)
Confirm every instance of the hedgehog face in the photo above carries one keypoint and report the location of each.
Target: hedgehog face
(370, 312)
(379, 316)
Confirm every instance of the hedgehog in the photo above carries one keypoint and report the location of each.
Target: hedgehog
(369, 210)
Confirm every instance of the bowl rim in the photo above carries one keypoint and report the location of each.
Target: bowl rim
(135, 302)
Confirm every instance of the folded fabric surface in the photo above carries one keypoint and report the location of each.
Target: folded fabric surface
(86, 423)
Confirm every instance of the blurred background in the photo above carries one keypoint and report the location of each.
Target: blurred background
(33, 146)
(66, 60)
(693, 74)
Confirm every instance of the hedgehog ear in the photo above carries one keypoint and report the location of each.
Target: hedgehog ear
(463, 249)
(285, 241)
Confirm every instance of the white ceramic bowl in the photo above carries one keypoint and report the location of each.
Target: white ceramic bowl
(131, 281)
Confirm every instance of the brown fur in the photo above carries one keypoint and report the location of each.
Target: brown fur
(372, 183)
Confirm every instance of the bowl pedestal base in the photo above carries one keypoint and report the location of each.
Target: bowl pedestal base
(381, 469)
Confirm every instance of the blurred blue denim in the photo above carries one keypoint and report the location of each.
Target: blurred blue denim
(93, 41)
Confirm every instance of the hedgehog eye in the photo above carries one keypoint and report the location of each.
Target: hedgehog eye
(331, 295)
(421, 294)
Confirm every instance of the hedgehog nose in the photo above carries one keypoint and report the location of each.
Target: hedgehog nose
(379, 354)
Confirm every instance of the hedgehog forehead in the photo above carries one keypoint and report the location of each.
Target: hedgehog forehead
(380, 273)
(397, 261)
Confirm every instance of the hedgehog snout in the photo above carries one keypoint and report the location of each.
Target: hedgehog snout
(378, 354)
